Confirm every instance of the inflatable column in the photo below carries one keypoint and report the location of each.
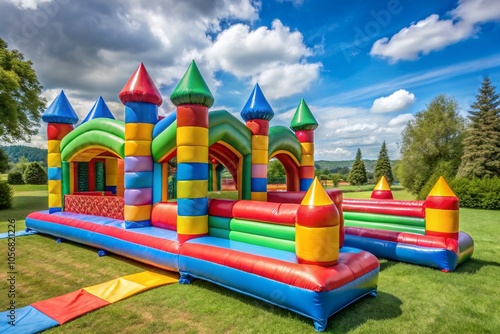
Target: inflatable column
(60, 117)
(317, 228)
(141, 100)
(304, 124)
(382, 190)
(192, 98)
(257, 113)
(442, 211)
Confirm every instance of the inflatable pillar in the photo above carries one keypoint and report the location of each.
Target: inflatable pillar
(304, 124)
(192, 98)
(382, 190)
(442, 211)
(60, 117)
(141, 99)
(257, 113)
(317, 228)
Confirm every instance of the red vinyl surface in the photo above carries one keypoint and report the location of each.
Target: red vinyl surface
(442, 202)
(164, 215)
(105, 206)
(274, 213)
(385, 207)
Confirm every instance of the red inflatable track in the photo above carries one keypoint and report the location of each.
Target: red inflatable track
(386, 207)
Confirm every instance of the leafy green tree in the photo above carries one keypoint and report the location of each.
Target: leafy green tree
(357, 176)
(21, 165)
(15, 177)
(275, 172)
(383, 166)
(432, 142)
(35, 174)
(6, 195)
(21, 105)
(481, 156)
(4, 161)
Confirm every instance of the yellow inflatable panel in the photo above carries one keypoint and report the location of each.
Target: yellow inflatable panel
(192, 189)
(382, 185)
(139, 131)
(307, 148)
(307, 160)
(437, 220)
(317, 244)
(260, 142)
(55, 200)
(130, 285)
(54, 146)
(441, 188)
(316, 195)
(55, 187)
(192, 154)
(192, 224)
(260, 157)
(192, 136)
(137, 212)
(137, 148)
(54, 160)
(258, 196)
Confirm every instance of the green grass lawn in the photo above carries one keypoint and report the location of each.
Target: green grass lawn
(412, 299)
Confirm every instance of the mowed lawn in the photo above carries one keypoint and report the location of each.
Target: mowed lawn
(411, 299)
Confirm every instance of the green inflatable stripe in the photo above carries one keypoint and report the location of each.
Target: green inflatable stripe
(111, 126)
(373, 217)
(385, 226)
(263, 229)
(282, 138)
(285, 245)
(218, 233)
(219, 222)
(164, 142)
(94, 137)
(65, 178)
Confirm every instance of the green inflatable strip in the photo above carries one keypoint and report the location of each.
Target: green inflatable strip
(94, 137)
(263, 229)
(219, 222)
(111, 126)
(218, 233)
(65, 178)
(164, 142)
(385, 226)
(373, 217)
(192, 89)
(258, 240)
(282, 138)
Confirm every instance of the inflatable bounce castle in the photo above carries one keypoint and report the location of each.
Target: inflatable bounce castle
(108, 188)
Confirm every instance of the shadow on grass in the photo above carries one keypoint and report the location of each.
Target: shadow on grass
(473, 265)
(386, 264)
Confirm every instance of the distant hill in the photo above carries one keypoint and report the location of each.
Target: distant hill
(31, 153)
(333, 166)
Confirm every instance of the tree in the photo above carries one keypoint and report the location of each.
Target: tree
(482, 138)
(357, 176)
(21, 105)
(4, 161)
(383, 166)
(35, 174)
(431, 145)
(275, 172)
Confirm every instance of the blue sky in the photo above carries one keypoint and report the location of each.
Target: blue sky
(363, 67)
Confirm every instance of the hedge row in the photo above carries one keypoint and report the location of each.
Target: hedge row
(478, 193)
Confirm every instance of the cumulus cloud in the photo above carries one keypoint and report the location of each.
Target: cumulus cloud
(401, 119)
(399, 100)
(434, 33)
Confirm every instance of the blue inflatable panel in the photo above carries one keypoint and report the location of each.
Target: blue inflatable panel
(426, 256)
(192, 206)
(141, 112)
(258, 184)
(164, 124)
(28, 320)
(187, 171)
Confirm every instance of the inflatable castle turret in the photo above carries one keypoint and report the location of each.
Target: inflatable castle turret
(382, 190)
(304, 124)
(257, 113)
(60, 117)
(442, 211)
(141, 99)
(192, 98)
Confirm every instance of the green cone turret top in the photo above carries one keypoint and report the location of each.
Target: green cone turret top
(303, 118)
(192, 89)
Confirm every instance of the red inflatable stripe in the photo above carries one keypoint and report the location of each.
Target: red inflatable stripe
(192, 115)
(258, 127)
(221, 208)
(305, 136)
(442, 202)
(274, 213)
(349, 267)
(164, 215)
(395, 210)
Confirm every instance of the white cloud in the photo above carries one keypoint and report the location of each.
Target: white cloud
(337, 152)
(401, 119)
(433, 33)
(357, 127)
(399, 100)
(28, 4)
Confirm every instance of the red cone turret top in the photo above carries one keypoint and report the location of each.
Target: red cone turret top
(140, 88)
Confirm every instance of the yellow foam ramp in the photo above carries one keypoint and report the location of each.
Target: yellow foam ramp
(126, 286)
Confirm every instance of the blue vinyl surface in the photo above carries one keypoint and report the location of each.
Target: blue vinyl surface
(28, 320)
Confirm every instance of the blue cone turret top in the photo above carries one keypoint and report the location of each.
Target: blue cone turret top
(192, 89)
(99, 110)
(60, 111)
(257, 106)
